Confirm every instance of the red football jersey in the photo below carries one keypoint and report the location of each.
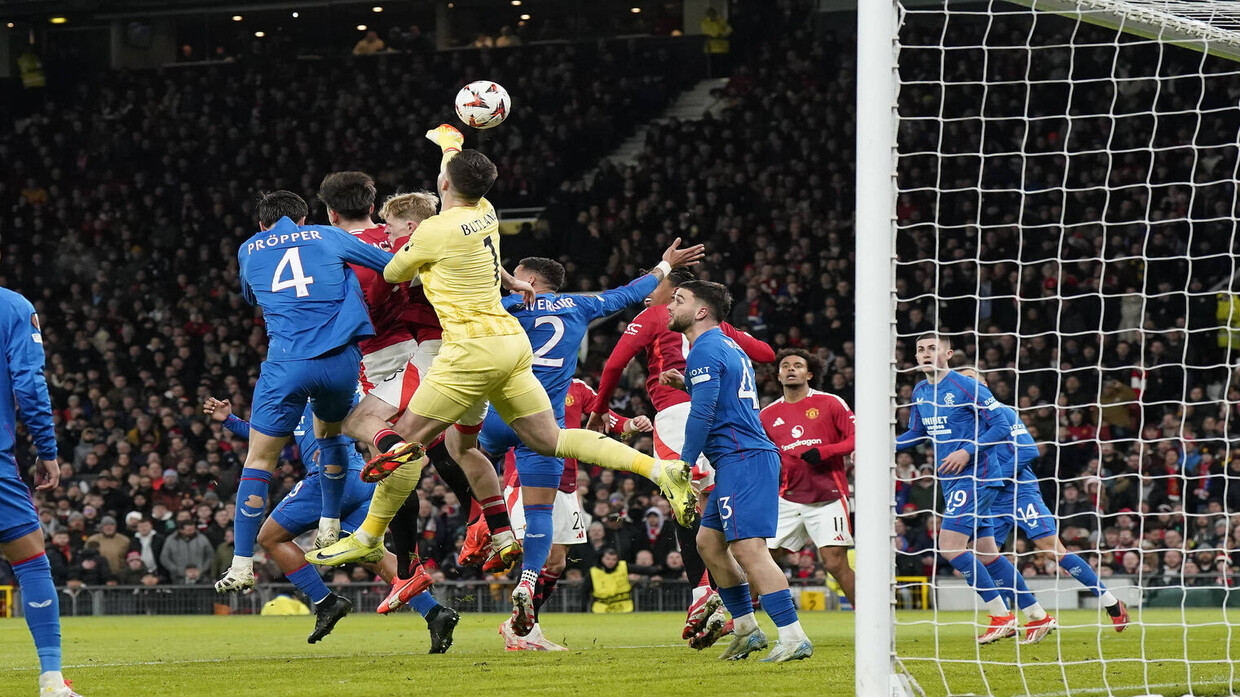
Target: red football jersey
(383, 299)
(580, 395)
(665, 350)
(418, 314)
(822, 421)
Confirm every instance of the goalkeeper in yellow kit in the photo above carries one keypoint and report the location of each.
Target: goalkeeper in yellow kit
(486, 356)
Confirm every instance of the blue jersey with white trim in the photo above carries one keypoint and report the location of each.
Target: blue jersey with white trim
(22, 385)
(303, 435)
(556, 325)
(1025, 451)
(300, 276)
(959, 413)
(724, 413)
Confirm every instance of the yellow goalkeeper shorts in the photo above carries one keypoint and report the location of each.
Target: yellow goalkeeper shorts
(469, 372)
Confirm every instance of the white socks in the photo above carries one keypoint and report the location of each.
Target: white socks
(239, 562)
(52, 678)
(365, 538)
(1108, 600)
(329, 525)
(745, 624)
(698, 592)
(997, 607)
(792, 634)
(1035, 612)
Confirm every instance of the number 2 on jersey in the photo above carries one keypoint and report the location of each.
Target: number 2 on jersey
(300, 281)
(557, 328)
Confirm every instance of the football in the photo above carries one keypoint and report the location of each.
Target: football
(482, 104)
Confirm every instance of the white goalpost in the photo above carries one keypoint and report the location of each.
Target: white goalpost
(1053, 184)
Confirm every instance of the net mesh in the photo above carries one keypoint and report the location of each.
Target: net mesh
(1066, 214)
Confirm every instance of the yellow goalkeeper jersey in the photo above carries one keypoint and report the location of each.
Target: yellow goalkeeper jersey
(457, 255)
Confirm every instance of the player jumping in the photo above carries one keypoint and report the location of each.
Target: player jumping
(665, 351)
(1020, 503)
(742, 510)
(556, 325)
(485, 356)
(814, 432)
(966, 425)
(22, 386)
(312, 305)
(407, 337)
(300, 511)
(567, 521)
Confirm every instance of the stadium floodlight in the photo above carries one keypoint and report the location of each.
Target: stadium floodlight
(1059, 178)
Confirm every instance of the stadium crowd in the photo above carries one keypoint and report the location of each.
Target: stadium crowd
(125, 202)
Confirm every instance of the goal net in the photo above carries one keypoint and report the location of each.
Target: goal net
(1065, 214)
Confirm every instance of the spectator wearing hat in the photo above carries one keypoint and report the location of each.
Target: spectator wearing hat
(91, 568)
(186, 548)
(112, 545)
(132, 572)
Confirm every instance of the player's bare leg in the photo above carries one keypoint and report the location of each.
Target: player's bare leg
(835, 561)
(368, 418)
(252, 492)
(333, 468)
(544, 436)
(463, 447)
(1081, 571)
(329, 608)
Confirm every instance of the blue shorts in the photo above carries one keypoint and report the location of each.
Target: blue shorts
(300, 510)
(496, 437)
(967, 510)
(1024, 508)
(745, 500)
(18, 517)
(328, 381)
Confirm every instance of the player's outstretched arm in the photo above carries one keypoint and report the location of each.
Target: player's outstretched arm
(449, 140)
(220, 410)
(23, 350)
(355, 251)
(915, 434)
(757, 349)
(516, 285)
(844, 421)
(635, 338)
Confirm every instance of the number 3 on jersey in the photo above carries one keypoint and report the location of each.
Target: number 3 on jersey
(292, 261)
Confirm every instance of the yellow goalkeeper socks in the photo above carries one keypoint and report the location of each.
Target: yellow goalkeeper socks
(598, 449)
(389, 496)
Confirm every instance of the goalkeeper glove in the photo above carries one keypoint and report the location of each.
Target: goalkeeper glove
(813, 456)
(446, 137)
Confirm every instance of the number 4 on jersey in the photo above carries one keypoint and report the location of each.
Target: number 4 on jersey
(300, 281)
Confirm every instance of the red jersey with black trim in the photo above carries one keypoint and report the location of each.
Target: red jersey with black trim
(665, 350)
(418, 313)
(821, 420)
(384, 300)
(580, 395)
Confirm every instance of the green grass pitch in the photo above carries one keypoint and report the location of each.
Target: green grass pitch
(617, 656)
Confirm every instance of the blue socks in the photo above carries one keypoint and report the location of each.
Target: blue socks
(736, 599)
(1082, 572)
(424, 602)
(251, 505)
(538, 530)
(42, 609)
(1006, 578)
(333, 466)
(779, 608)
(976, 575)
(308, 581)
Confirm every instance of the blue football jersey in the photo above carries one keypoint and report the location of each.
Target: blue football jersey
(22, 385)
(1025, 451)
(556, 324)
(311, 300)
(724, 417)
(303, 435)
(959, 413)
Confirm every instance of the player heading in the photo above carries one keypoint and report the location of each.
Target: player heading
(348, 196)
(549, 273)
(471, 175)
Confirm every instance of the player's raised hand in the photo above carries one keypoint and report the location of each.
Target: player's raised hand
(679, 258)
(217, 409)
(47, 475)
(639, 424)
(516, 285)
(597, 422)
(672, 378)
(446, 137)
(955, 462)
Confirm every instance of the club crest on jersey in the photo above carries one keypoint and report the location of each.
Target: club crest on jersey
(797, 431)
(949, 399)
(569, 401)
(811, 413)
